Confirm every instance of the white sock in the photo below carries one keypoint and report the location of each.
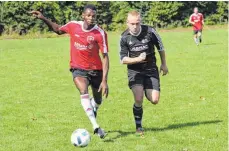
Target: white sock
(86, 103)
(196, 40)
(94, 104)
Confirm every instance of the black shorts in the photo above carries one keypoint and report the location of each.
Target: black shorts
(196, 31)
(147, 81)
(94, 76)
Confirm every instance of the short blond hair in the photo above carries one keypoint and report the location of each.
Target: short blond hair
(133, 13)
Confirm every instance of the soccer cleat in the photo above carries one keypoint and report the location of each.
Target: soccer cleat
(140, 132)
(200, 40)
(100, 132)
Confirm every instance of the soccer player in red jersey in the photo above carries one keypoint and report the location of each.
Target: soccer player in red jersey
(86, 40)
(197, 20)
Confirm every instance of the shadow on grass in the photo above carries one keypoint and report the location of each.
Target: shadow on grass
(169, 127)
(211, 44)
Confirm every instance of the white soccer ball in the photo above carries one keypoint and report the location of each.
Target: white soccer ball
(80, 138)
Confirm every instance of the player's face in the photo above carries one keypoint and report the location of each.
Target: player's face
(134, 24)
(195, 10)
(89, 16)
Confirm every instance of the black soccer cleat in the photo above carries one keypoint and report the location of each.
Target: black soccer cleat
(100, 132)
(140, 132)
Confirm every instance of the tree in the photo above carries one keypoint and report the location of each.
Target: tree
(111, 15)
(162, 13)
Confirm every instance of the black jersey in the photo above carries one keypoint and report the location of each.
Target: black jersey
(132, 46)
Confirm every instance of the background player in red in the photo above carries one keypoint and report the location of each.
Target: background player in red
(86, 39)
(197, 20)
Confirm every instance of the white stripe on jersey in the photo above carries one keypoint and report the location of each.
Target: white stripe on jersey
(76, 22)
(104, 39)
(159, 40)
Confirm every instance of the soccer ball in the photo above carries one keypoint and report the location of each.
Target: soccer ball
(80, 138)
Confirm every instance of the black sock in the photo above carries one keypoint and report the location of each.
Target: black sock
(138, 112)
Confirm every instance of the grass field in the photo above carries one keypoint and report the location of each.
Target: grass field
(40, 107)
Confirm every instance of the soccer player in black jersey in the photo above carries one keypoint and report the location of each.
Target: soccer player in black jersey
(137, 51)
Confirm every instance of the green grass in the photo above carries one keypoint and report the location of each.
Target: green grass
(40, 106)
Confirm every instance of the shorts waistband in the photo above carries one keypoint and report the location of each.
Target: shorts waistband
(72, 69)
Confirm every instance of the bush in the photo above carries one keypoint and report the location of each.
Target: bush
(14, 17)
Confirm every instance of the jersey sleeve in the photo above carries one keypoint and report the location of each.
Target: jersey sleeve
(123, 49)
(66, 28)
(102, 41)
(157, 40)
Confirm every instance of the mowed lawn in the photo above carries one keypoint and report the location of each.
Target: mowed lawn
(40, 106)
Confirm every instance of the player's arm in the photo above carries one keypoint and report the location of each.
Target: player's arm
(190, 20)
(202, 20)
(104, 86)
(124, 54)
(55, 27)
(103, 45)
(160, 47)
(139, 59)
(105, 66)
(163, 67)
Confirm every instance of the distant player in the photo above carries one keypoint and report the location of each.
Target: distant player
(137, 51)
(86, 39)
(197, 20)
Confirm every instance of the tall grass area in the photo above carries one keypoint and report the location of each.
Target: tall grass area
(40, 106)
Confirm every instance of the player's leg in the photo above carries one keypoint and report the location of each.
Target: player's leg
(82, 85)
(152, 95)
(200, 35)
(136, 85)
(195, 37)
(81, 81)
(152, 89)
(96, 79)
(96, 100)
(138, 92)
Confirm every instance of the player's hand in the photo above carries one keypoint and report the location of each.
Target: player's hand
(104, 88)
(37, 14)
(142, 57)
(164, 69)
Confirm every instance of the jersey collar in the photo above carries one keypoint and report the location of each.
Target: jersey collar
(81, 23)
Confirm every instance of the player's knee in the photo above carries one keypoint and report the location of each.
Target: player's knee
(138, 102)
(138, 99)
(155, 101)
(82, 92)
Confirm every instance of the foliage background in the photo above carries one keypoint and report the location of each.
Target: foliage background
(14, 17)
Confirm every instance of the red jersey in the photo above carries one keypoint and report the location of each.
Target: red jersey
(197, 19)
(85, 45)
